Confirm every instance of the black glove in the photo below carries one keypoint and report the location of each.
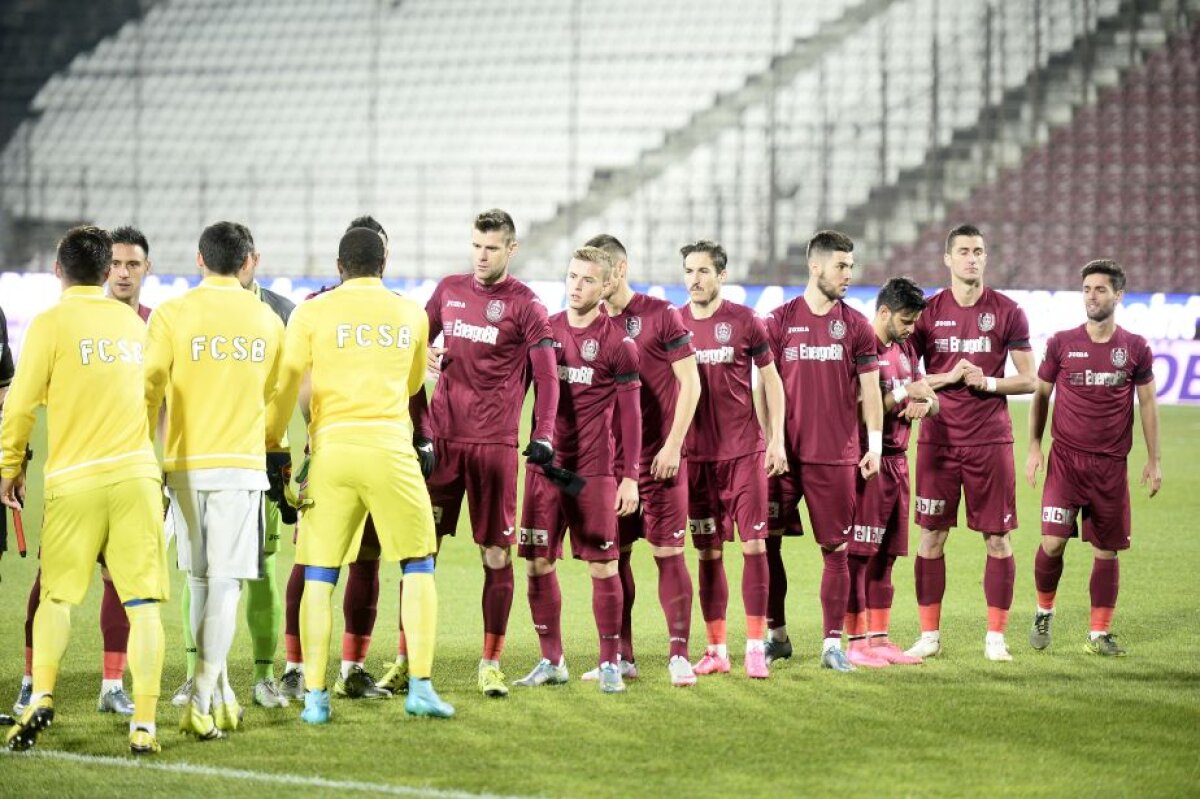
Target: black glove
(425, 455)
(566, 480)
(539, 451)
(279, 474)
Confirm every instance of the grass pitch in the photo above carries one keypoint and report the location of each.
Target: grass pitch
(1053, 723)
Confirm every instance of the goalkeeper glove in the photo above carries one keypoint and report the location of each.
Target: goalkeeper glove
(425, 455)
(539, 451)
(279, 475)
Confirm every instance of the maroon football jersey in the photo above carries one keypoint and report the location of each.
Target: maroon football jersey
(897, 367)
(661, 339)
(488, 331)
(727, 343)
(983, 333)
(144, 312)
(594, 363)
(820, 359)
(1094, 388)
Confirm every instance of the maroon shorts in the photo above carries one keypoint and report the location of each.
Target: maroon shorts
(547, 512)
(1097, 487)
(828, 491)
(662, 517)
(881, 510)
(722, 494)
(487, 474)
(985, 474)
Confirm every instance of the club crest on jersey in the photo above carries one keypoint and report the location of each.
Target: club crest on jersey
(1120, 356)
(495, 311)
(723, 332)
(590, 349)
(837, 328)
(633, 326)
(987, 322)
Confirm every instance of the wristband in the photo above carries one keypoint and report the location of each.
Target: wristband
(991, 384)
(875, 441)
(899, 394)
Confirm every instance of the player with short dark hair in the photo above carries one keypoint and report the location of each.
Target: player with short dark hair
(670, 391)
(496, 341)
(82, 361)
(1093, 372)
(827, 359)
(965, 336)
(598, 373)
(729, 459)
(881, 505)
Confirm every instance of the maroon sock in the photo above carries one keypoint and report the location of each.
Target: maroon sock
(714, 589)
(856, 600)
(606, 607)
(1106, 582)
(291, 613)
(545, 606)
(1047, 571)
(675, 596)
(31, 608)
(879, 581)
(835, 591)
(628, 594)
(998, 577)
(777, 583)
(931, 580)
(755, 581)
(361, 602)
(114, 628)
(497, 603)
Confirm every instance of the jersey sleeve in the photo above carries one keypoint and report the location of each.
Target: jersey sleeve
(1143, 363)
(774, 328)
(272, 384)
(1018, 331)
(6, 359)
(297, 360)
(433, 312)
(157, 361)
(866, 357)
(625, 365)
(918, 339)
(28, 391)
(677, 340)
(760, 348)
(1048, 369)
(420, 344)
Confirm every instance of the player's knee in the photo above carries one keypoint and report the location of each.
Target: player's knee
(1054, 546)
(711, 554)
(602, 569)
(537, 567)
(321, 574)
(496, 557)
(1104, 554)
(756, 547)
(999, 545)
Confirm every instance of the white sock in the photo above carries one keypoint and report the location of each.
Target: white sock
(1045, 611)
(401, 660)
(485, 662)
(754, 646)
(108, 685)
(26, 681)
(932, 635)
(994, 638)
(293, 666)
(225, 690)
(1094, 634)
(831, 643)
(777, 634)
(215, 602)
(722, 650)
(347, 665)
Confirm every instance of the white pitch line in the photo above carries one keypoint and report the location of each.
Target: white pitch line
(257, 776)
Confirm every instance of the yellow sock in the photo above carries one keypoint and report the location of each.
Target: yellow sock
(316, 626)
(419, 612)
(145, 650)
(51, 631)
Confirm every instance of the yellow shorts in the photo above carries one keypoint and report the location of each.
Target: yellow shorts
(123, 522)
(347, 481)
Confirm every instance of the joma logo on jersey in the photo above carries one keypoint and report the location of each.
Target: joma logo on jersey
(369, 336)
(1058, 515)
(455, 304)
(866, 534)
(834, 352)
(478, 333)
(956, 344)
(576, 374)
(221, 348)
(1076, 354)
(945, 323)
(719, 355)
(931, 507)
(107, 350)
(702, 526)
(798, 329)
(531, 536)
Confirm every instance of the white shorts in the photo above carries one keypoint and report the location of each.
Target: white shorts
(220, 533)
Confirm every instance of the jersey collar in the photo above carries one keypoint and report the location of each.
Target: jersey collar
(83, 291)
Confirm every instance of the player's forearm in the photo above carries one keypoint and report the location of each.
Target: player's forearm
(1016, 384)
(941, 380)
(279, 412)
(774, 400)
(685, 403)
(629, 420)
(15, 430)
(1039, 409)
(872, 408)
(1149, 414)
(545, 379)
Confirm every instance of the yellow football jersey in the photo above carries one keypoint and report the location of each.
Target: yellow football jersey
(365, 346)
(82, 359)
(214, 353)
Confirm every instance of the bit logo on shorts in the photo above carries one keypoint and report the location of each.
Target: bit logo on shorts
(723, 332)
(931, 507)
(531, 536)
(837, 329)
(106, 350)
(706, 526)
(1052, 515)
(987, 322)
(590, 349)
(867, 534)
(1119, 356)
(494, 311)
(633, 326)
